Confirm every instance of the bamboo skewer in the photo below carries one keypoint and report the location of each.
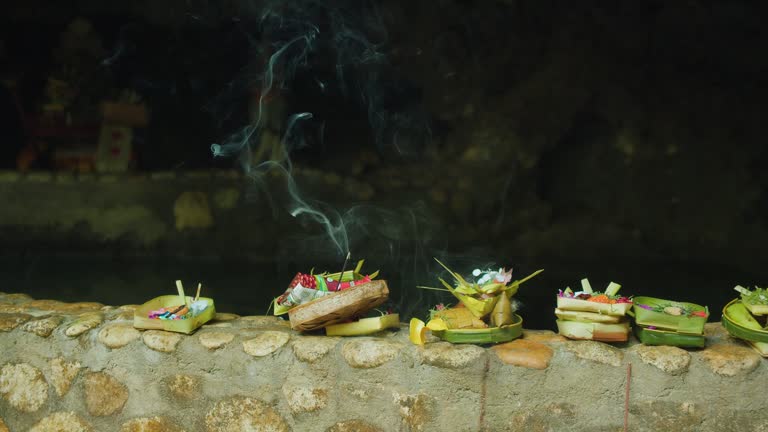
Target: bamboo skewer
(180, 289)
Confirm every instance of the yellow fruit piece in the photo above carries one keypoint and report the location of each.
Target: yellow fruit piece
(437, 324)
(459, 318)
(418, 332)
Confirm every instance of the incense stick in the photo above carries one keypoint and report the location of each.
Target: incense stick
(343, 269)
(197, 296)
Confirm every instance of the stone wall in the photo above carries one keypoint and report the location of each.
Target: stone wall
(83, 367)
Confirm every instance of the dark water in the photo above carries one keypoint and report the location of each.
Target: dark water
(247, 288)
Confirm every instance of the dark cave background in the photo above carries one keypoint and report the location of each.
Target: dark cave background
(613, 140)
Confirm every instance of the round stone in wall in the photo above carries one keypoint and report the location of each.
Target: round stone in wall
(83, 323)
(302, 399)
(369, 353)
(161, 341)
(448, 355)
(62, 374)
(672, 360)
(265, 343)
(730, 360)
(213, 340)
(150, 424)
(596, 351)
(312, 348)
(525, 353)
(244, 413)
(43, 327)
(104, 395)
(118, 335)
(9, 321)
(62, 422)
(184, 386)
(23, 386)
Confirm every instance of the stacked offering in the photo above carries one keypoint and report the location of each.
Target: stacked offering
(747, 318)
(666, 322)
(177, 313)
(485, 313)
(336, 302)
(591, 315)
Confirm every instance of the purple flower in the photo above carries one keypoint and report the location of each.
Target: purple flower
(651, 327)
(645, 306)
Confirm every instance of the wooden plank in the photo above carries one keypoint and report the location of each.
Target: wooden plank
(338, 307)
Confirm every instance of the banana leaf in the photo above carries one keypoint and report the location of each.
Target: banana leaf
(737, 327)
(483, 336)
(689, 322)
(594, 331)
(760, 347)
(573, 304)
(364, 326)
(481, 307)
(663, 337)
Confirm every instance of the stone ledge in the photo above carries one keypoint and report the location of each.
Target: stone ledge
(85, 367)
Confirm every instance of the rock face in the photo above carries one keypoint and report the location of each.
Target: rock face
(525, 353)
(23, 386)
(9, 321)
(369, 353)
(43, 327)
(302, 399)
(244, 414)
(118, 335)
(84, 323)
(150, 424)
(215, 340)
(672, 360)
(104, 395)
(310, 349)
(265, 343)
(448, 355)
(62, 374)
(596, 351)
(730, 360)
(62, 422)
(3, 427)
(161, 341)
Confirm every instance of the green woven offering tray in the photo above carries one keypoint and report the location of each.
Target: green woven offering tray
(483, 336)
(681, 317)
(650, 336)
(741, 324)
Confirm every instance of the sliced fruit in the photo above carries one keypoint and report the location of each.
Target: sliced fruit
(437, 324)
(418, 332)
